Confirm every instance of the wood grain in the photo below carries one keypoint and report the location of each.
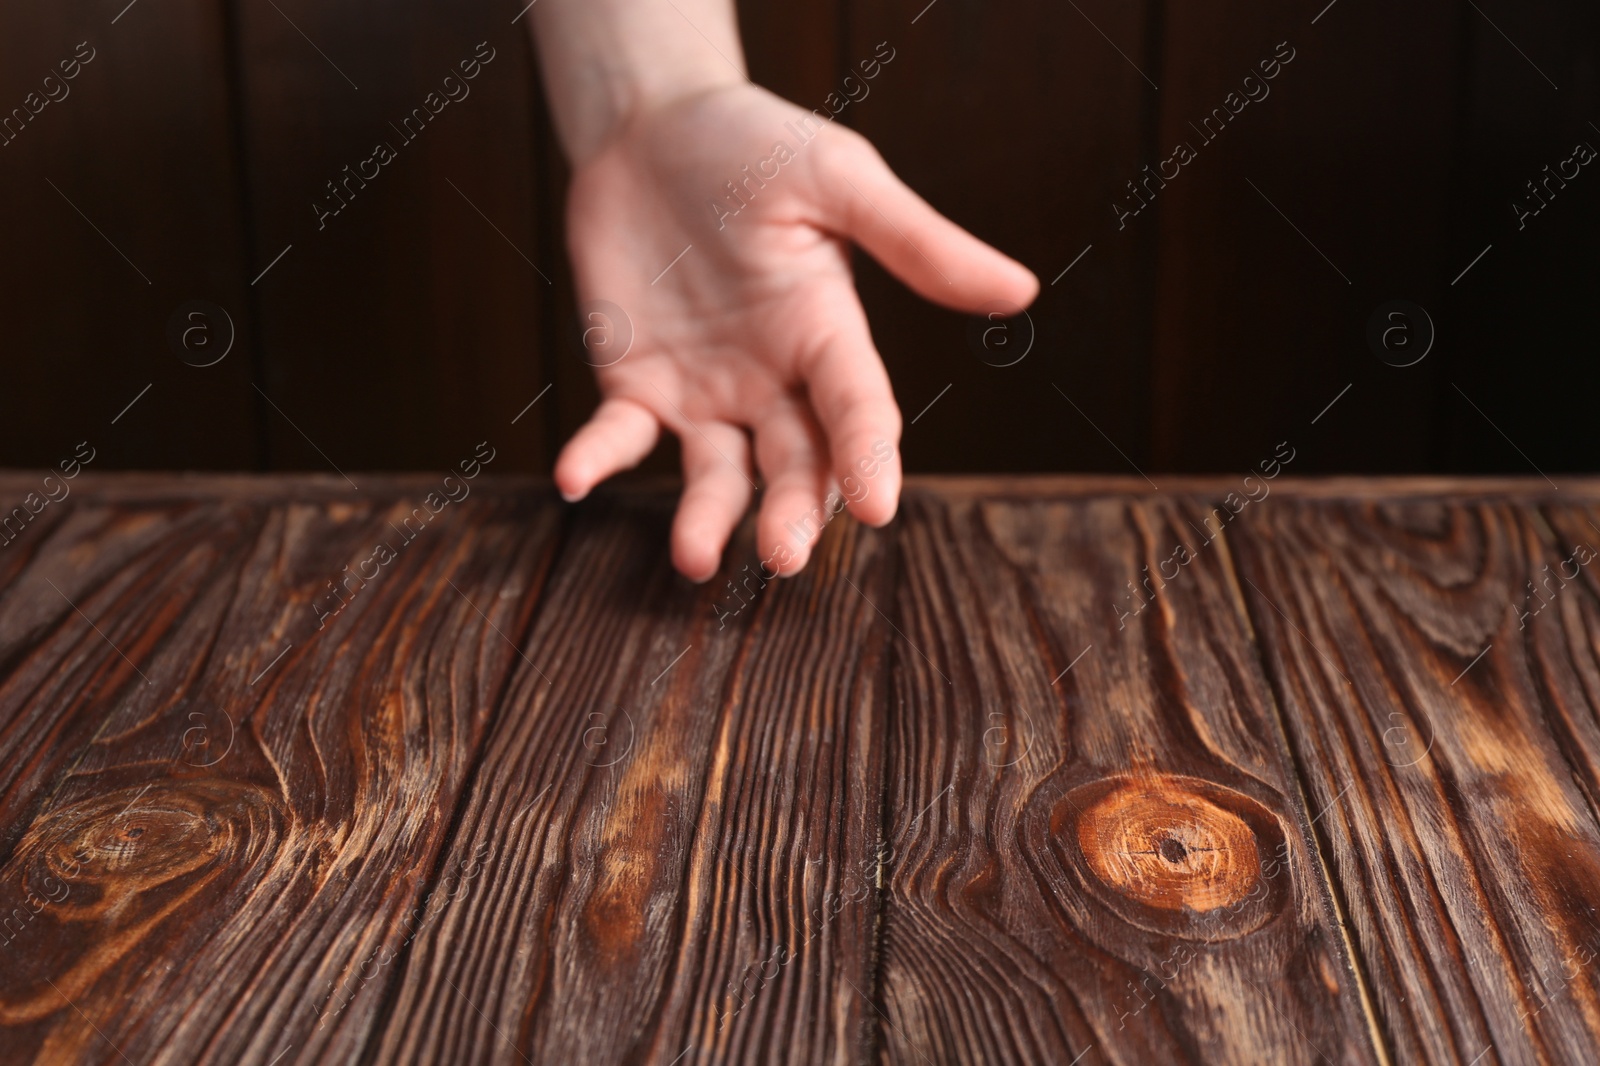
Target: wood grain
(1046, 771)
(1098, 837)
(686, 846)
(1453, 742)
(204, 843)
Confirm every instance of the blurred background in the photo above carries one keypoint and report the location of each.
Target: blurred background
(1350, 259)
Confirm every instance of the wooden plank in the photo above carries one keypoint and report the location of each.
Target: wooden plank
(1452, 742)
(402, 324)
(122, 207)
(565, 360)
(215, 813)
(684, 806)
(1021, 122)
(1313, 197)
(794, 49)
(1099, 847)
(1530, 100)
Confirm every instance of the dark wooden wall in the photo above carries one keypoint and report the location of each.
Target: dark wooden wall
(1196, 335)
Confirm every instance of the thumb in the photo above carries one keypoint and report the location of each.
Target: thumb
(864, 201)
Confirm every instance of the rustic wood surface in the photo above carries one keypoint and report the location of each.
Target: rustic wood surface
(1099, 833)
(1049, 770)
(1437, 664)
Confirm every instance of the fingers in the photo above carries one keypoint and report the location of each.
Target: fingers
(793, 456)
(716, 491)
(850, 392)
(938, 259)
(617, 436)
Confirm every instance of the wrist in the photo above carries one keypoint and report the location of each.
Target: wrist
(633, 93)
(601, 72)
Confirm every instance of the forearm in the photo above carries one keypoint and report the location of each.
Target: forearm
(605, 60)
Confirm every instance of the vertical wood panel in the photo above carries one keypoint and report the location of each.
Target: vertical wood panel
(794, 49)
(1396, 142)
(1262, 307)
(1523, 338)
(140, 143)
(1020, 121)
(405, 328)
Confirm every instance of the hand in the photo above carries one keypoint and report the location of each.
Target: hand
(756, 329)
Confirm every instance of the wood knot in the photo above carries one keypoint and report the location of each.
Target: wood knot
(118, 868)
(1178, 855)
(131, 839)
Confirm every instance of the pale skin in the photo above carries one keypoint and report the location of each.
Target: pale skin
(752, 348)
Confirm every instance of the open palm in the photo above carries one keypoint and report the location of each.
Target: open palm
(747, 339)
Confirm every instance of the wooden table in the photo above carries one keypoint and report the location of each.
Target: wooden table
(1047, 771)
